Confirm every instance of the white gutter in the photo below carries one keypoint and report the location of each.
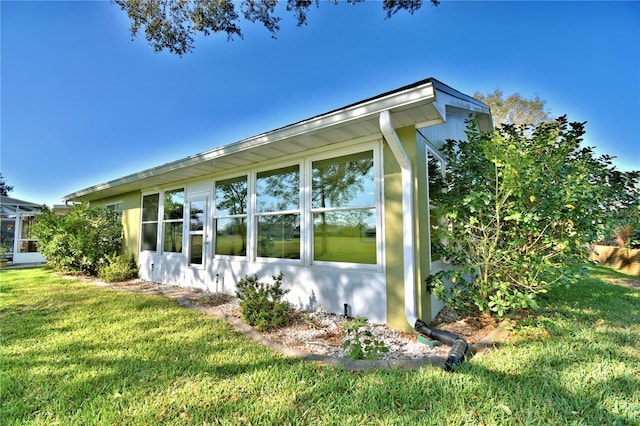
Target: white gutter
(390, 135)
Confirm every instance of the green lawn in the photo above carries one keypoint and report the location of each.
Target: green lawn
(74, 353)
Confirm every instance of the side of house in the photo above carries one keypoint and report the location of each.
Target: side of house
(339, 203)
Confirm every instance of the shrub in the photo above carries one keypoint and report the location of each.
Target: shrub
(519, 207)
(119, 268)
(81, 240)
(360, 343)
(261, 304)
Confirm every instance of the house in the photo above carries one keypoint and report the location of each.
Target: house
(339, 203)
(16, 242)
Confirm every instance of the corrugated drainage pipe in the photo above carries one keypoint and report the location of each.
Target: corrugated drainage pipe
(459, 351)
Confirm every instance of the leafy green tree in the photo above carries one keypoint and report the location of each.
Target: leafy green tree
(79, 241)
(522, 205)
(171, 24)
(514, 109)
(4, 188)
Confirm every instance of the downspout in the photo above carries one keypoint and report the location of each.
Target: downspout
(460, 349)
(390, 135)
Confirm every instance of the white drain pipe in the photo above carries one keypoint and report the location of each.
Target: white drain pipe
(390, 135)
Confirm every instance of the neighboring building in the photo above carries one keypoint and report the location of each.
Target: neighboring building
(339, 203)
(16, 242)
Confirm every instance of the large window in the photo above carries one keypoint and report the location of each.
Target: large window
(230, 221)
(344, 211)
(278, 213)
(172, 221)
(150, 204)
(27, 244)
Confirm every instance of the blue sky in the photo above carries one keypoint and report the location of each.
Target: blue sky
(82, 104)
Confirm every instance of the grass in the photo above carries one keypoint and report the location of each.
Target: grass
(74, 353)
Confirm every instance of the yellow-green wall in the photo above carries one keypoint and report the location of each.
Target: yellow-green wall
(394, 230)
(130, 219)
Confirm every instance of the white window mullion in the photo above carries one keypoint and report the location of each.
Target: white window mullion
(160, 236)
(305, 207)
(251, 218)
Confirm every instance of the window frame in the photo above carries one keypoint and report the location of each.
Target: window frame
(255, 214)
(215, 217)
(377, 206)
(164, 221)
(194, 198)
(26, 241)
(146, 222)
(117, 207)
(433, 209)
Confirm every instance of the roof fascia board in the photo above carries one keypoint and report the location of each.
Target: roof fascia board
(456, 100)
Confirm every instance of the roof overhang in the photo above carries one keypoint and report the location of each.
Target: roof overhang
(421, 104)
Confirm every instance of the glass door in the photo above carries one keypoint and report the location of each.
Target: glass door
(197, 231)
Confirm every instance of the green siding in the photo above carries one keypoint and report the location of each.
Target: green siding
(130, 219)
(394, 231)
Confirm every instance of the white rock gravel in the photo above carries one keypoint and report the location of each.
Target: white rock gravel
(323, 333)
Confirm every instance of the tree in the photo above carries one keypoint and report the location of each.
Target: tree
(81, 241)
(522, 204)
(514, 109)
(4, 188)
(171, 24)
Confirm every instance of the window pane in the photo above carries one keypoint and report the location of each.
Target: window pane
(195, 257)
(345, 181)
(149, 236)
(279, 236)
(116, 209)
(231, 237)
(436, 244)
(345, 236)
(27, 225)
(231, 196)
(172, 237)
(174, 204)
(28, 246)
(150, 207)
(436, 181)
(7, 234)
(278, 190)
(196, 215)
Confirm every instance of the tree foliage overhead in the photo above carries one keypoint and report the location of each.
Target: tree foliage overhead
(522, 205)
(4, 188)
(172, 24)
(514, 109)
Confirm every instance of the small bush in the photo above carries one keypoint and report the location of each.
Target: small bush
(119, 268)
(360, 343)
(261, 304)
